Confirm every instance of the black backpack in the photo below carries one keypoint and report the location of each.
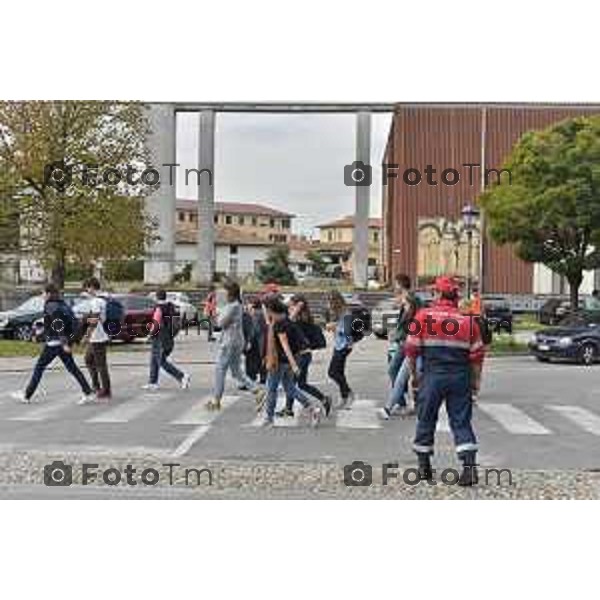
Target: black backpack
(315, 337)
(360, 324)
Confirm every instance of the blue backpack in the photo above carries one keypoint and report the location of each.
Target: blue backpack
(115, 313)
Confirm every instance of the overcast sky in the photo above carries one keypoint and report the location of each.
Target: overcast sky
(290, 162)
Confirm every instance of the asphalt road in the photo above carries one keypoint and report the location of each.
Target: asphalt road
(531, 416)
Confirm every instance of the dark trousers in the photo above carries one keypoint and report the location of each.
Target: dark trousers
(337, 370)
(304, 361)
(159, 359)
(255, 367)
(49, 353)
(453, 387)
(95, 360)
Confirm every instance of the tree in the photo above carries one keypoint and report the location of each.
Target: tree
(59, 163)
(317, 262)
(551, 208)
(276, 268)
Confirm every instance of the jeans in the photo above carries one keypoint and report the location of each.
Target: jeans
(95, 360)
(337, 370)
(229, 358)
(304, 360)
(49, 353)
(395, 363)
(455, 388)
(398, 392)
(283, 375)
(159, 358)
(255, 367)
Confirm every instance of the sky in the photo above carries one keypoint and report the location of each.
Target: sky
(292, 162)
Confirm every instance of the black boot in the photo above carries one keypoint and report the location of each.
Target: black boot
(469, 475)
(425, 472)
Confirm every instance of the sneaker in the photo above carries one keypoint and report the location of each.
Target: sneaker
(267, 423)
(261, 396)
(404, 412)
(20, 397)
(396, 410)
(316, 414)
(213, 404)
(87, 399)
(475, 397)
(346, 403)
(285, 412)
(103, 395)
(150, 387)
(185, 382)
(384, 413)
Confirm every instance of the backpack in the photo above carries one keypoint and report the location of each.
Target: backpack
(360, 324)
(114, 311)
(314, 335)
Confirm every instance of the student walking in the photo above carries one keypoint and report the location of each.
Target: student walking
(230, 349)
(163, 344)
(300, 314)
(341, 324)
(97, 340)
(210, 311)
(59, 328)
(286, 343)
(256, 344)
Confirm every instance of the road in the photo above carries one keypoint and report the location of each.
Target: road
(531, 416)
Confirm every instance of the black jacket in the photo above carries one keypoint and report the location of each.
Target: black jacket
(60, 324)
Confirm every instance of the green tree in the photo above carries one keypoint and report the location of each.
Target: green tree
(276, 268)
(317, 262)
(551, 209)
(91, 218)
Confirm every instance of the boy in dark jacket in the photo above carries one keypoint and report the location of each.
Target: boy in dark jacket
(59, 328)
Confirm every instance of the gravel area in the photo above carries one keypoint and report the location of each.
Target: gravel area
(262, 480)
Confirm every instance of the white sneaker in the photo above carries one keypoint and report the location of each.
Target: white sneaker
(87, 399)
(267, 423)
(315, 415)
(20, 397)
(384, 413)
(346, 403)
(150, 387)
(185, 382)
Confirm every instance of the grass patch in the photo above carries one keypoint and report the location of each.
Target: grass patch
(10, 348)
(507, 344)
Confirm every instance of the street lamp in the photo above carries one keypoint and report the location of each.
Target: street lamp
(469, 215)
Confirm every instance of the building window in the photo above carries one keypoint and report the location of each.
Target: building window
(254, 221)
(233, 249)
(272, 223)
(216, 219)
(228, 220)
(233, 265)
(285, 223)
(330, 236)
(193, 217)
(376, 236)
(241, 220)
(181, 216)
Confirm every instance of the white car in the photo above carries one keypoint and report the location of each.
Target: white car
(384, 317)
(187, 311)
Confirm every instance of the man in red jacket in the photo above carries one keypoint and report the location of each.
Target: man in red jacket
(450, 344)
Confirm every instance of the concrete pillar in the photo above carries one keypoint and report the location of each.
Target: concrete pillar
(363, 203)
(160, 205)
(205, 265)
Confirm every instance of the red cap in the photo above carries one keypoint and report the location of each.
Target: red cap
(445, 284)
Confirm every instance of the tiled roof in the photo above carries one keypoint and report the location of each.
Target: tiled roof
(237, 208)
(348, 221)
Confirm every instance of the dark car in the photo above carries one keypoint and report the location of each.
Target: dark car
(498, 314)
(555, 310)
(576, 339)
(18, 323)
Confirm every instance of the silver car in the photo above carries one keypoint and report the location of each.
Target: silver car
(384, 317)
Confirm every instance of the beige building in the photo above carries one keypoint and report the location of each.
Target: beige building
(336, 244)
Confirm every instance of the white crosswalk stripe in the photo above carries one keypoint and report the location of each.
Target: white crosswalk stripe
(443, 426)
(513, 419)
(581, 417)
(44, 410)
(129, 409)
(200, 415)
(362, 415)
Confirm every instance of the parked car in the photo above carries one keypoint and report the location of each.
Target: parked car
(18, 323)
(384, 317)
(498, 314)
(556, 309)
(187, 311)
(576, 339)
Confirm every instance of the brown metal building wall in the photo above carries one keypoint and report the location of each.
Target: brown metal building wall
(447, 136)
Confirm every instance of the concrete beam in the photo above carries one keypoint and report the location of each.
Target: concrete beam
(160, 205)
(363, 204)
(205, 265)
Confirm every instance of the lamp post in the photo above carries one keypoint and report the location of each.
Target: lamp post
(469, 215)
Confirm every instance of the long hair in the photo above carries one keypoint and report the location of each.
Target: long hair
(305, 314)
(233, 291)
(337, 305)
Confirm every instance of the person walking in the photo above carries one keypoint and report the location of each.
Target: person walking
(59, 329)
(408, 304)
(163, 344)
(255, 345)
(300, 314)
(450, 344)
(210, 311)
(230, 349)
(340, 322)
(97, 340)
(286, 343)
